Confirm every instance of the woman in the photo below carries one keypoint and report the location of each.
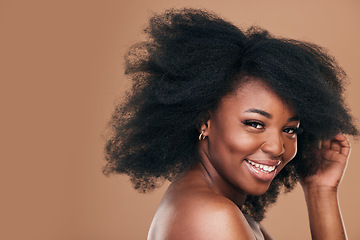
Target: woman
(230, 118)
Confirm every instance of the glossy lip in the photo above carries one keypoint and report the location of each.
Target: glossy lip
(260, 175)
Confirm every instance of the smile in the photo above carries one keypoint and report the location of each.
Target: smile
(263, 167)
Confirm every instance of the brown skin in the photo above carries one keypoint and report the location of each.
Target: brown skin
(205, 202)
(321, 190)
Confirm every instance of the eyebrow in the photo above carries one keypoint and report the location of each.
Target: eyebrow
(261, 112)
(268, 115)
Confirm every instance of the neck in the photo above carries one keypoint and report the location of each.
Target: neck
(217, 183)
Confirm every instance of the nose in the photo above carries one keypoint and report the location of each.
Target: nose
(274, 145)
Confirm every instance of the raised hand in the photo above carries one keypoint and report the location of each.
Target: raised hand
(321, 190)
(333, 155)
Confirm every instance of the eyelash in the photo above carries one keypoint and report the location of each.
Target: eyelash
(255, 124)
(251, 123)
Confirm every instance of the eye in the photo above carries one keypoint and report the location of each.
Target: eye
(293, 130)
(254, 124)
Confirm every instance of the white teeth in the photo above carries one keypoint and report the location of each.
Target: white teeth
(264, 168)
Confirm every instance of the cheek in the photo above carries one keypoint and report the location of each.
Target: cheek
(233, 145)
(244, 144)
(290, 150)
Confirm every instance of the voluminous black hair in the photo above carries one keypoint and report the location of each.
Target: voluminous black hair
(189, 62)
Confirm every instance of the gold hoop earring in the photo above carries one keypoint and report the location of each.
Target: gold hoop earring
(201, 136)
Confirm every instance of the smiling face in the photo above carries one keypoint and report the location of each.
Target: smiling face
(250, 137)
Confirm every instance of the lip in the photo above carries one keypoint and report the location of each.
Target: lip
(258, 173)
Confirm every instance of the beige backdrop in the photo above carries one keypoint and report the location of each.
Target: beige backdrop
(61, 71)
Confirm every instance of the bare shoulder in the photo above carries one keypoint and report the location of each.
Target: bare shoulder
(199, 215)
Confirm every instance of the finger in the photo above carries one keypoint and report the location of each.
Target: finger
(326, 144)
(340, 137)
(344, 143)
(335, 145)
(332, 156)
(340, 144)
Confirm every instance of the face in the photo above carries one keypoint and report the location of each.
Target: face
(250, 137)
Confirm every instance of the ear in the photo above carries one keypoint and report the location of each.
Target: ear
(205, 124)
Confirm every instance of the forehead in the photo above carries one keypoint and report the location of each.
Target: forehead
(254, 93)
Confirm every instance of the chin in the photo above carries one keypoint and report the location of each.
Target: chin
(258, 192)
(257, 189)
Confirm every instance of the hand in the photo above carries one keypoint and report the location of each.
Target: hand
(333, 156)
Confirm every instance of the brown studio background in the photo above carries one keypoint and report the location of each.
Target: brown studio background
(61, 70)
